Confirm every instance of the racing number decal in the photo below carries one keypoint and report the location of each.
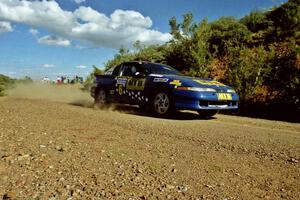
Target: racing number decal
(121, 83)
(120, 89)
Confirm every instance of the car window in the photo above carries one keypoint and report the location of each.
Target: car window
(129, 69)
(162, 69)
(140, 68)
(126, 70)
(109, 71)
(116, 70)
(113, 71)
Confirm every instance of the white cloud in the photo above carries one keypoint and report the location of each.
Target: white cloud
(79, 1)
(81, 67)
(48, 65)
(121, 28)
(5, 27)
(54, 40)
(33, 31)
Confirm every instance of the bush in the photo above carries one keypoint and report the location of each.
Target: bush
(248, 70)
(5, 83)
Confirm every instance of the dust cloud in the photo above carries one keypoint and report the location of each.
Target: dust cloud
(71, 94)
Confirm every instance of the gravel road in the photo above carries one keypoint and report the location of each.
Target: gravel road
(68, 150)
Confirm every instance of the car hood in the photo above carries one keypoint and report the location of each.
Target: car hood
(195, 82)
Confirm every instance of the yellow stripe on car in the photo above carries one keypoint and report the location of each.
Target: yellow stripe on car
(204, 82)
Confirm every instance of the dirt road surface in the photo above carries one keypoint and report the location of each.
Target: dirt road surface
(62, 148)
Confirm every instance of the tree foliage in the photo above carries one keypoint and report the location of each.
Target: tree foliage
(248, 69)
(256, 21)
(5, 82)
(90, 78)
(189, 52)
(227, 32)
(286, 19)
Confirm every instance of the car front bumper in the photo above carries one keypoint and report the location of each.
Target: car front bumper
(191, 100)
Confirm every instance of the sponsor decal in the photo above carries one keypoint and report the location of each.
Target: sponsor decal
(176, 83)
(121, 81)
(131, 87)
(160, 80)
(135, 84)
(224, 96)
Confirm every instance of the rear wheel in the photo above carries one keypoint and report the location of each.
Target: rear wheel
(162, 103)
(207, 113)
(100, 98)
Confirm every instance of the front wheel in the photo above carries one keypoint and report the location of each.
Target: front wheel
(162, 103)
(207, 113)
(100, 98)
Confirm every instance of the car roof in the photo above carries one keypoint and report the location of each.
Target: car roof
(144, 62)
(139, 62)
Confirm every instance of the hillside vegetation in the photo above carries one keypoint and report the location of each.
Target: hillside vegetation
(8, 83)
(258, 55)
(5, 82)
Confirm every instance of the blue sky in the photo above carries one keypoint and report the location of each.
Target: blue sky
(67, 37)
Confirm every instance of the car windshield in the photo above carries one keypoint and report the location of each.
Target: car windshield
(162, 69)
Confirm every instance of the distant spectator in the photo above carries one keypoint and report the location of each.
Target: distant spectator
(58, 80)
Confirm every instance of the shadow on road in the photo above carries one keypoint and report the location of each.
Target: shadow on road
(135, 110)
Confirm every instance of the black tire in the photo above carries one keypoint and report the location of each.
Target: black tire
(162, 103)
(100, 98)
(207, 113)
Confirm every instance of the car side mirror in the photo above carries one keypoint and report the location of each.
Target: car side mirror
(138, 75)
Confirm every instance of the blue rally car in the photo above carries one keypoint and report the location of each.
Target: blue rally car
(162, 89)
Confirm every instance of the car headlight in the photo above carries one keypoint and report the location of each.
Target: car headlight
(196, 89)
(230, 91)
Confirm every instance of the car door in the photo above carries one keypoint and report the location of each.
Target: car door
(111, 76)
(136, 84)
(121, 81)
(130, 83)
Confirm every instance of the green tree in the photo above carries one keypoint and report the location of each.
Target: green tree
(190, 52)
(188, 25)
(90, 78)
(249, 69)
(286, 19)
(256, 21)
(152, 53)
(5, 83)
(123, 55)
(200, 51)
(227, 32)
(175, 32)
(284, 79)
